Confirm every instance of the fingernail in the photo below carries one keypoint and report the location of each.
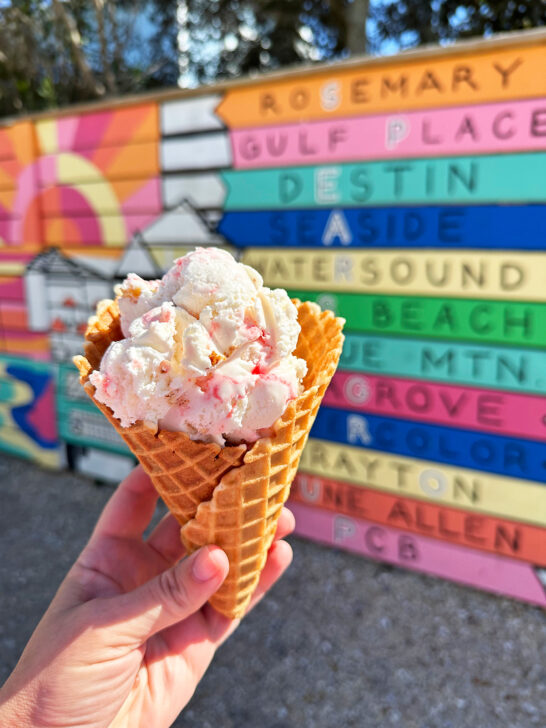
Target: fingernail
(206, 565)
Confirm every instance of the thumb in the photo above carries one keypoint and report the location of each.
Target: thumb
(170, 597)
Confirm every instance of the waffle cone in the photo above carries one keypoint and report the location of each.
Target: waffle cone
(230, 496)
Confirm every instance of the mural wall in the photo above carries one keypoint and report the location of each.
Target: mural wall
(408, 195)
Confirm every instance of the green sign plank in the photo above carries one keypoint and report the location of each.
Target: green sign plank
(491, 322)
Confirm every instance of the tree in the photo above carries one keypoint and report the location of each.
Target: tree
(55, 52)
(234, 37)
(62, 51)
(413, 22)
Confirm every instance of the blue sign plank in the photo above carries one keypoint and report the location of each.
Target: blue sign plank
(509, 227)
(476, 450)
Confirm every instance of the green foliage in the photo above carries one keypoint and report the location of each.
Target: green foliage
(234, 37)
(414, 22)
(56, 52)
(51, 53)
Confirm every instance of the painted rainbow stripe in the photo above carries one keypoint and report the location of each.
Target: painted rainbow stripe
(449, 319)
(486, 410)
(71, 230)
(460, 274)
(505, 538)
(138, 198)
(132, 162)
(29, 344)
(466, 566)
(499, 454)
(12, 286)
(122, 126)
(514, 499)
(501, 227)
(506, 368)
(13, 315)
(484, 129)
(474, 180)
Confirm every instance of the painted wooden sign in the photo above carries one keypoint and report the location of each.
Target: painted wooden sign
(484, 129)
(516, 370)
(485, 533)
(498, 322)
(509, 227)
(79, 421)
(517, 500)
(472, 180)
(450, 79)
(198, 151)
(187, 116)
(471, 408)
(492, 453)
(406, 194)
(467, 566)
(203, 190)
(466, 274)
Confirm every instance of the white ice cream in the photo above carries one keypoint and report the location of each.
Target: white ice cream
(208, 351)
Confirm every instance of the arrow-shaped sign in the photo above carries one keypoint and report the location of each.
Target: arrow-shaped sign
(511, 227)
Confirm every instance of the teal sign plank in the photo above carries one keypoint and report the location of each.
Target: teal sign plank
(507, 368)
(83, 424)
(69, 388)
(79, 421)
(490, 178)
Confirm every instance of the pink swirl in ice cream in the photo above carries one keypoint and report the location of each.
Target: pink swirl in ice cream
(208, 350)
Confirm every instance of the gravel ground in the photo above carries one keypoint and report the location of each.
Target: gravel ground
(340, 642)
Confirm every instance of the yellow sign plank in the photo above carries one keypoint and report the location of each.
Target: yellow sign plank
(459, 274)
(519, 500)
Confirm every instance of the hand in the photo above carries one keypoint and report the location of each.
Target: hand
(129, 634)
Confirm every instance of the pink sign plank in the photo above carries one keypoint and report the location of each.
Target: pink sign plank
(519, 415)
(466, 566)
(484, 129)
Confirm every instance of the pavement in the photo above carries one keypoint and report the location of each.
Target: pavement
(340, 642)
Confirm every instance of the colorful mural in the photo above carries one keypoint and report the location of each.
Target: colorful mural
(405, 193)
(28, 423)
(98, 176)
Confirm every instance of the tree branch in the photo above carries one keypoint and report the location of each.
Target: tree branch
(105, 60)
(74, 38)
(357, 14)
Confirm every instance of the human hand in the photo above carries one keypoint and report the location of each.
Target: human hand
(129, 634)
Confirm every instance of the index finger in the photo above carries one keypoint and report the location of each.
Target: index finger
(130, 510)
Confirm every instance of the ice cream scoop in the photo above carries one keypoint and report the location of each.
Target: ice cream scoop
(208, 351)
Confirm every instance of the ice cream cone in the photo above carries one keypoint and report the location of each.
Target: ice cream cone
(230, 496)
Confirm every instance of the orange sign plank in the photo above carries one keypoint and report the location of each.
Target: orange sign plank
(477, 531)
(409, 82)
